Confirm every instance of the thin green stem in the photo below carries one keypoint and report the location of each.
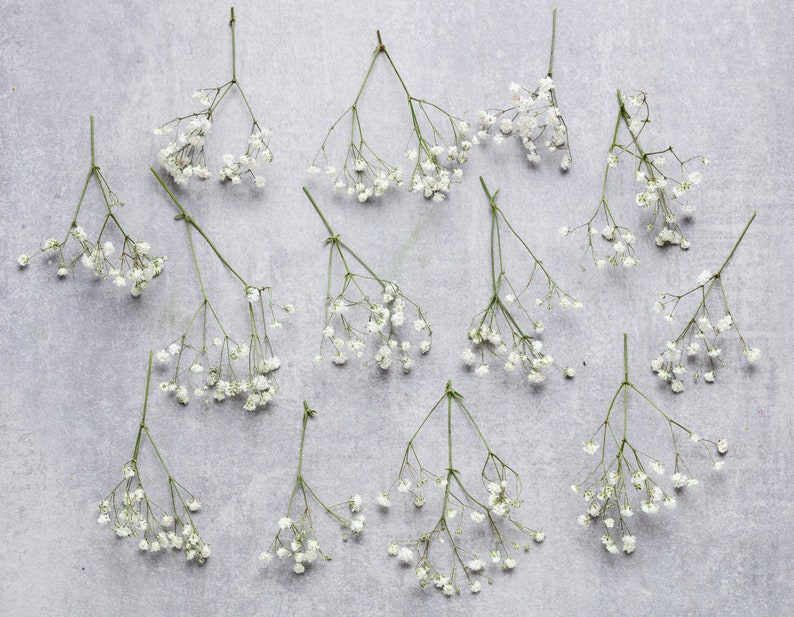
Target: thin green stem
(625, 358)
(190, 221)
(625, 386)
(339, 243)
(93, 159)
(375, 55)
(145, 406)
(234, 48)
(553, 38)
(735, 246)
(196, 264)
(319, 212)
(449, 430)
(307, 411)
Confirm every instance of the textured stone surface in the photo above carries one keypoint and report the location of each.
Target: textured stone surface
(719, 80)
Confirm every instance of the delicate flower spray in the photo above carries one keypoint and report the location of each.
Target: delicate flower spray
(130, 513)
(207, 357)
(534, 117)
(701, 335)
(624, 469)
(505, 330)
(663, 196)
(184, 156)
(368, 308)
(437, 147)
(296, 538)
(131, 266)
(464, 511)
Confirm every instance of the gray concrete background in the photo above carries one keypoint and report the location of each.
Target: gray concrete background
(719, 80)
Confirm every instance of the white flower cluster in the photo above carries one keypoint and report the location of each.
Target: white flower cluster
(463, 512)
(623, 470)
(610, 497)
(135, 265)
(437, 165)
(351, 321)
(131, 514)
(437, 147)
(455, 522)
(225, 367)
(300, 544)
(522, 350)
(296, 539)
(534, 118)
(663, 191)
(660, 190)
(700, 340)
(184, 158)
(505, 312)
(366, 176)
(622, 240)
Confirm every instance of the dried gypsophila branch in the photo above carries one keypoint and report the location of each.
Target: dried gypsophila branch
(130, 513)
(623, 465)
(368, 307)
(184, 155)
(437, 147)
(534, 117)
(134, 263)
(463, 509)
(662, 193)
(219, 361)
(299, 542)
(505, 311)
(701, 333)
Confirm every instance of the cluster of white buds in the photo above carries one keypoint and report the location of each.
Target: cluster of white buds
(624, 467)
(207, 357)
(506, 313)
(464, 511)
(437, 147)
(133, 515)
(438, 165)
(666, 178)
(701, 338)
(184, 157)
(385, 322)
(534, 118)
(226, 368)
(130, 513)
(296, 539)
(134, 266)
(368, 308)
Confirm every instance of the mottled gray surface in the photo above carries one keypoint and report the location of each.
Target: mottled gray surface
(719, 78)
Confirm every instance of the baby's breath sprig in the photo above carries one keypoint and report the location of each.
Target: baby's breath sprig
(438, 145)
(216, 360)
(505, 312)
(296, 538)
(184, 156)
(134, 263)
(661, 195)
(368, 307)
(464, 512)
(701, 334)
(623, 468)
(534, 116)
(130, 513)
